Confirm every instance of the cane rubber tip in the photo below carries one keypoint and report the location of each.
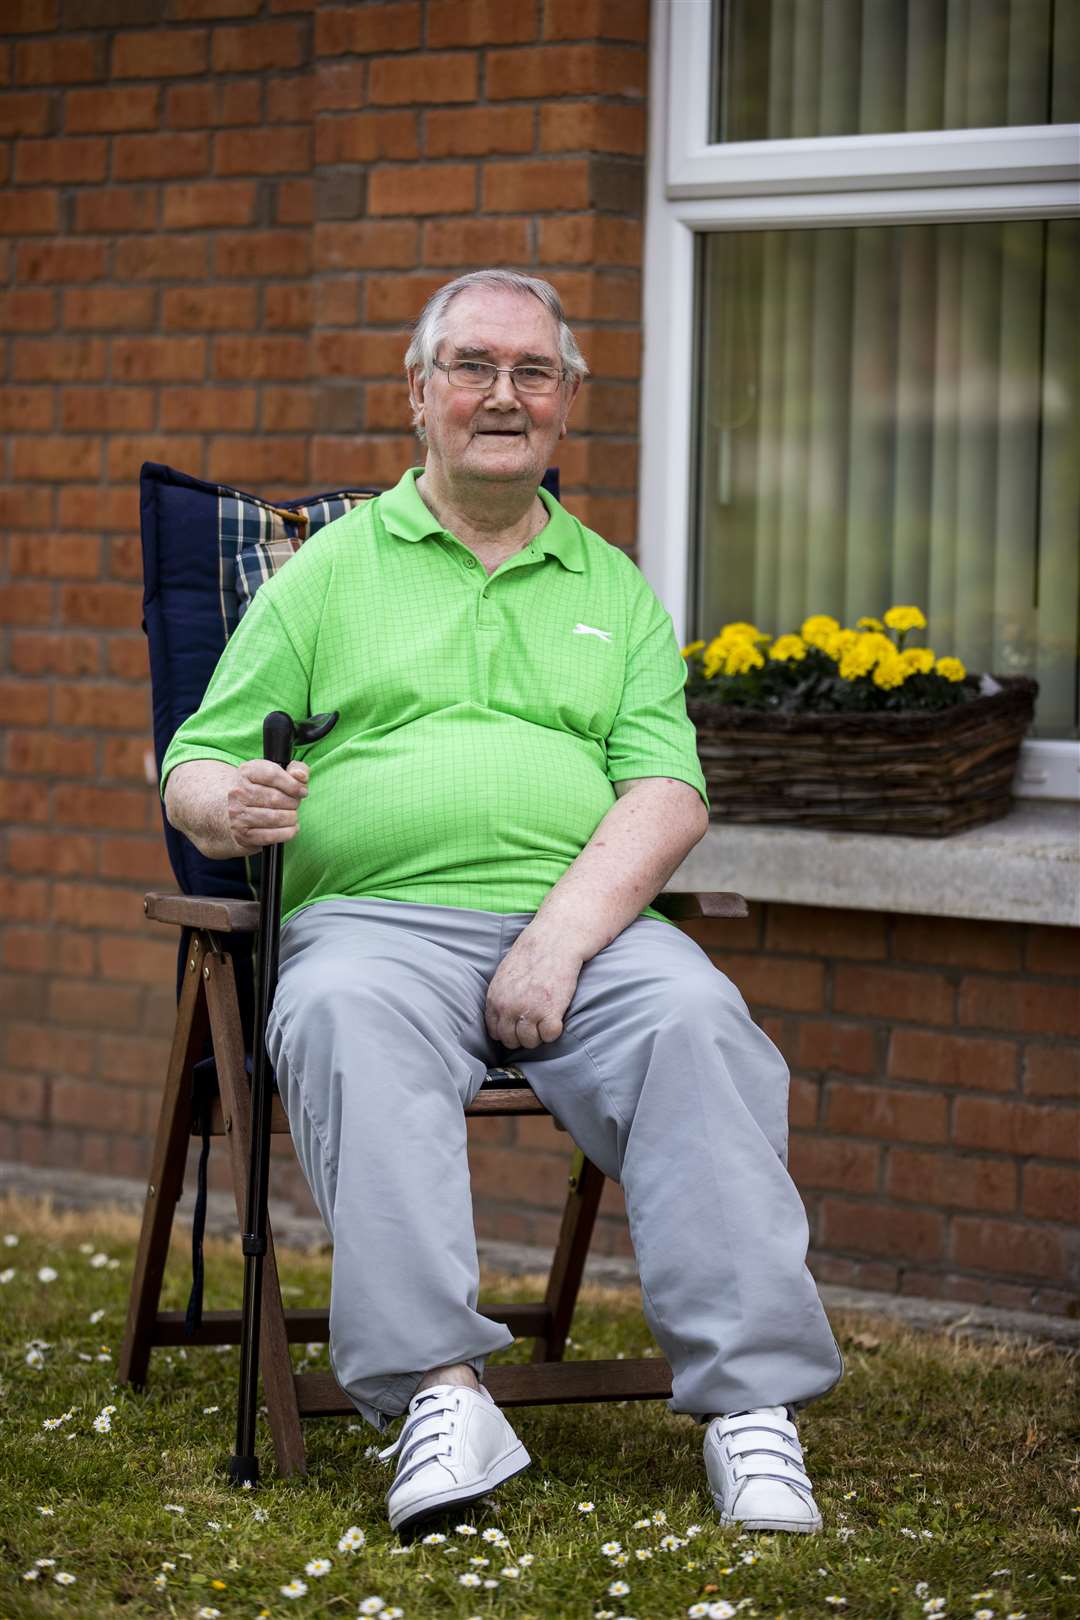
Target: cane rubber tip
(243, 1470)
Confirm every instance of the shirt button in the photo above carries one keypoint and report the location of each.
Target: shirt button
(470, 562)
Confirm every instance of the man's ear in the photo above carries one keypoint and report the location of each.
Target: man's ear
(416, 391)
(566, 412)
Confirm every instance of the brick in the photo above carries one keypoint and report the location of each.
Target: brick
(386, 407)
(53, 854)
(263, 253)
(954, 1181)
(450, 77)
(153, 963)
(24, 703)
(607, 464)
(1019, 1004)
(98, 905)
(952, 1060)
(367, 29)
(953, 943)
(360, 460)
(608, 407)
(207, 10)
(241, 359)
(61, 261)
(1007, 1246)
(893, 993)
(140, 860)
(159, 53)
(28, 408)
(31, 309)
(294, 202)
(550, 71)
(101, 704)
(546, 184)
(590, 239)
(242, 151)
(1053, 950)
(76, 1102)
(111, 13)
(478, 131)
(25, 113)
(287, 410)
(126, 655)
(843, 1166)
(287, 306)
(1013, 1127)
(24, 1096)
(114, 309)
(596, 19)
(208, 309)
(366, 137)
(207, 409)
(110, 607)
(23, 899)
(113, 109)
(23, 802)
(128, 759)
(56, 556)
(59, 61)
(358, 354)
(590, 126)
(612, 353)
(30, 16)
(258, 47)
(31, 213)
(904, 1234)
(289, 98)
(820, 931)
(1052, 1071)
(48, 1051)
(425, 188)
(125, 455)
(336, 300)
(399, 298)
(829, 1044)
(209, 202)
(42, 753)
(886, 1112)
(162, 258)
(1051, 1193)
(159, 359)
(260, 460)
(112, 508)
(365, 245)
(114, 210)
(472, 242)
(113, 409)
(55, 457)
(769, 982)
(160, 157)
(338, 86)
(131, 1059)
(201, 106)
(59, 359)
(36, 652)
(611, 516)
(481, 22)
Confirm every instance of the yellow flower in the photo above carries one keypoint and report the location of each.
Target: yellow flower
(858, 658)
(785, 647)
(905, 618)
(917, 660)
(695, 646)
(869, 624)
(741, 658)
(817, 627)
(738, 630)
(890, 672)
(951, 668)
(837, 642)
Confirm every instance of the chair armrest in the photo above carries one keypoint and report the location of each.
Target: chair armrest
(203, 911)
(713, 903)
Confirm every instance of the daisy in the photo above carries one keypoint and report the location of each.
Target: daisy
(934, 1605)
(721, 1611)
(62, 1578)
(46, 1274)
(393, 1614)
(212, 1524)
(435, 1539)
(586, 1507)
(293, 1589)
(7, 1275)
(261, 1514)
(207, 1410)
(51, 1423)
(160, 1581)
(168, 1566)
(493, 1534)
(174, 1507)
(372, 1605)
(480, 1563)
(470, 1578)
(95, 1317)
(45, 1563)
(526, 1559)
(465, 1529)
(619, 1559)
(698, 1611)
(352, 1540)
(47, 1512)
(693, 1530)
(671, 1543)
(641, 1553)
(491, 1582)
(984, 1614)
(837, 1602)
(32, 1575)
(610, 1548)
(618, 1589)
(98, 1260)
(922, 1589)
(34, 1357)
(511, 1572)
(10, 1240)
(318, 1566)
(659, 1518)
(207, 1613)
(642, 1524)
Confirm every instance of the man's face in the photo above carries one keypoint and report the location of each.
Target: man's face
(500, 435)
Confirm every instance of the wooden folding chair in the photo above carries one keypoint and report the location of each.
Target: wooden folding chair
(213, 1097)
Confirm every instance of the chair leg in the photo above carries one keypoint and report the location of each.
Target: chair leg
(568, 1262)
(275, 1365)
(166, 1171)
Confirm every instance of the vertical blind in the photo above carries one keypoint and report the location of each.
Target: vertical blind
(890, 414)
(790, 68)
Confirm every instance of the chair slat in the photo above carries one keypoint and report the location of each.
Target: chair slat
(553, 1383)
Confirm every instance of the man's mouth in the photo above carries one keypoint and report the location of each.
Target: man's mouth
(499, 433)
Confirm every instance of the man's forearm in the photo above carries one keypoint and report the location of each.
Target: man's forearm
(196, 803)
(643, 839)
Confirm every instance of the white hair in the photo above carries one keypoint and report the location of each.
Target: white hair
(430, 327)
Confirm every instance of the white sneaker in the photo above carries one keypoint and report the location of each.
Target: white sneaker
(455, 1445)
(755, 1468)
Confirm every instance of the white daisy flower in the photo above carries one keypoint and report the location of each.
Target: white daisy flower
(610, 1548)
(976, 1597)
(167, 1565)
(511, 1572)
(372, 1605)
(922, 1588)
(208, 1613)
(114, 1265)
(318, 1566)
(51, 1423)
(47, 1512)
(393, 1614)
(837, 1602)
(160, 1581)
(620, 1559)
(493, 1534)
(353, 1539)
(586, 1507)
(470, 1578)
(659, 1518)
(208, 1410)
(435, 1539)
(671, 1543)
(642, 1553)
(10, 1240)
(698, 1611)
(479, 1563)
(46, 1274)
(7, 1275)
(212, 1524)
(102, 1423)
(491, 1582)
(617, 1589)
(464, 1529)
(293, 1589)
(95, 1317)
(174, 1507)
(45, 1563)
(98, 1260)
(34, 1357)
(934, 1606)
(31, 1575)
(984, 1614)
(642, 1524)
(849, 1496)
(721, 1610)
(64, 1578)
(526, 1559)
(1016, 1614)
(261, 1514)
(693, 1530)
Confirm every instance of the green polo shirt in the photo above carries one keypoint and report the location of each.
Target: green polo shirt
(483, 718)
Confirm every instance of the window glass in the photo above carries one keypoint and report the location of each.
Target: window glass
(795, 68)
(888, 414)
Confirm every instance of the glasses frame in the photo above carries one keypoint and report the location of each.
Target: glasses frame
(501, 371)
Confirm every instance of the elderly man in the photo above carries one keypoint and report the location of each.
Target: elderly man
(512, 780)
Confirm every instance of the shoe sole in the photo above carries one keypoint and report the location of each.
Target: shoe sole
(514, 1461)
(802, 1527)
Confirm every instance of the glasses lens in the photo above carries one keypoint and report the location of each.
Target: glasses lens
(471, 374)
(535, 379)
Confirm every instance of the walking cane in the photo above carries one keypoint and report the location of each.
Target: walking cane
(280, 737)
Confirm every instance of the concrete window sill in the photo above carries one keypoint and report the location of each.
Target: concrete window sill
(1024, 868)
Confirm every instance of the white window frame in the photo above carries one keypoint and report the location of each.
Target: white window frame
(694, 186)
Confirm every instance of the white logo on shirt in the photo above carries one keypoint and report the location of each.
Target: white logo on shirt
(588, 630)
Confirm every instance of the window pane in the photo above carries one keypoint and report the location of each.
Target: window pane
(788, 68)
(889, 414)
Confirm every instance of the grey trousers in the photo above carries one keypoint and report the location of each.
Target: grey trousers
(660, 1076)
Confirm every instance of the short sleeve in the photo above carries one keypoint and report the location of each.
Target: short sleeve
(652, 734)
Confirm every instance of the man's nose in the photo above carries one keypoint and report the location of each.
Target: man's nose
(502, 393)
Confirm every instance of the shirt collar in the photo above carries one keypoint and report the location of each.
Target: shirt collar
(405, 515)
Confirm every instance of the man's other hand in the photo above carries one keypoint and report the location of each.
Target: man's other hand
(263, 803)
(530, 991)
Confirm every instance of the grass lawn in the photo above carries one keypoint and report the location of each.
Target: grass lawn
(947, 1474)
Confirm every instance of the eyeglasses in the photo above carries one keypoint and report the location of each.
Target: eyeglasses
(480, 375)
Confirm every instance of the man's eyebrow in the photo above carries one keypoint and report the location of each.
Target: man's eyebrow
(477, 351)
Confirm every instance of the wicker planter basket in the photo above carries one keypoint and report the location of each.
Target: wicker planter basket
(917, 773)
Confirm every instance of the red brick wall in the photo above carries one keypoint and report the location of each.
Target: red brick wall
(217, 215)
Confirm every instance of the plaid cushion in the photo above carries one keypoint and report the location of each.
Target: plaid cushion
(256, 539)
